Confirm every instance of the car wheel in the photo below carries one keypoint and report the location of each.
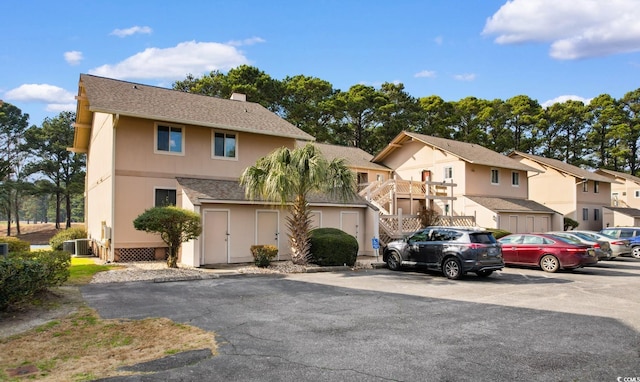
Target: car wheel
(452, 268)
(484, 273)
(549, 263)
(393, 261)
(635, 252)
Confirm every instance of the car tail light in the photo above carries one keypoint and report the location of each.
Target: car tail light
(618, 242)
(576, 250)
(596, 245)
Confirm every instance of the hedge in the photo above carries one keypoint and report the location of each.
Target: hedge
(24, 274)
(72, 233)
(15, 244)
(331, 246)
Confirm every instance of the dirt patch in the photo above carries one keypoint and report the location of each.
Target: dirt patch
(35, 233)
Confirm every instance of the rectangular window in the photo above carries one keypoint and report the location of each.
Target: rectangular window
(585, 214)
(224, 145)
(596, 187)
(585, 186)
(169, 139)
(515, 178)
(165, 197)
(637, 194)
(448, 172)
(495, 178)
(596, 214)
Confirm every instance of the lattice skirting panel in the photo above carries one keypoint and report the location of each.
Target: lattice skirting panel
(135, 254)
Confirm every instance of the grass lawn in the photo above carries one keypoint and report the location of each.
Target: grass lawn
(84, 347)
(83, 268)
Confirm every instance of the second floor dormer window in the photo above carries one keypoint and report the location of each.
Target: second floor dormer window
(224, 145)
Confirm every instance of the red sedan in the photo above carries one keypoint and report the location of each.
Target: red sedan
(549, 252)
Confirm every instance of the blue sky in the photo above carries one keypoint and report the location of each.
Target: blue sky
(550, 50)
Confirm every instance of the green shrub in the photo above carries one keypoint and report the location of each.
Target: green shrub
(72, 233)
(264, 254)
(570, 224)
(498, 233)
(24, 274)
(331, 246)
(15, 244)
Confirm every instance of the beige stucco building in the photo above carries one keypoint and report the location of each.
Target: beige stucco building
(149, 146)
(576, 193)
(467, 180)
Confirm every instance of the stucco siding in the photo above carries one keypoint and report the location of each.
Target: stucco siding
(99, 184)
(478, 182)
(136, 154)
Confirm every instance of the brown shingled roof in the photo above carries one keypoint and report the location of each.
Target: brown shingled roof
(353, 156)
(229, 191)
(563, 167)
(622, 175)
(468, 152)
(510, 204)
(137, 100)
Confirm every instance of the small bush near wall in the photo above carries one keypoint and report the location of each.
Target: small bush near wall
(498, 233)
(264, 254)
(68, 234)
(331, 246)
(15, 244)
(24, 274)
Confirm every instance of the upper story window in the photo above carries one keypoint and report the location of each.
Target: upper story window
(495, 176)
(636, 194)
(225, 145)
(169, 139)
(515, 178)
(448, 172)
(585, 186)
(596, 187)
(164, 197)
(585, 214)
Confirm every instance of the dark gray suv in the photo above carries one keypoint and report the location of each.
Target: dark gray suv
(451, 250)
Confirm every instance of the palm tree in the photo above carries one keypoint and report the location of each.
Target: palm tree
(287, 177)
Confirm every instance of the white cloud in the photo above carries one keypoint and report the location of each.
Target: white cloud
(425, 74)
(439, 40)
(73, 57)
(465, 77)
(565, 98)
(176, 62)
(40, 93)
(56, 99)
(576, 29)
(246, 41)
(131, 31)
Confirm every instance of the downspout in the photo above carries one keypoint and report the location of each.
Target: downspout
(113, 189)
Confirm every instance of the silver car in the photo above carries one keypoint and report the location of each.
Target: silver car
(601, 246)
(619, 247)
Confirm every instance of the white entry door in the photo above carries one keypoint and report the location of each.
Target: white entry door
(216, 237)
(267, 231)
(349, 224)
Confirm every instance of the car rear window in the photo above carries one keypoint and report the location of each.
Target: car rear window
(482, 238)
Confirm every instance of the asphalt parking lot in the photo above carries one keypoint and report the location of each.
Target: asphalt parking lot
(379, 325)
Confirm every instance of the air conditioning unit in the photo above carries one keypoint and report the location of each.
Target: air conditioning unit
(4, 249)
(69, 246)
(82, 247)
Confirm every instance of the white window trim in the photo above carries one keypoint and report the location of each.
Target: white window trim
(497, 172)
(518, 177)
(213, 145)
(448, 170)
(155, 139)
